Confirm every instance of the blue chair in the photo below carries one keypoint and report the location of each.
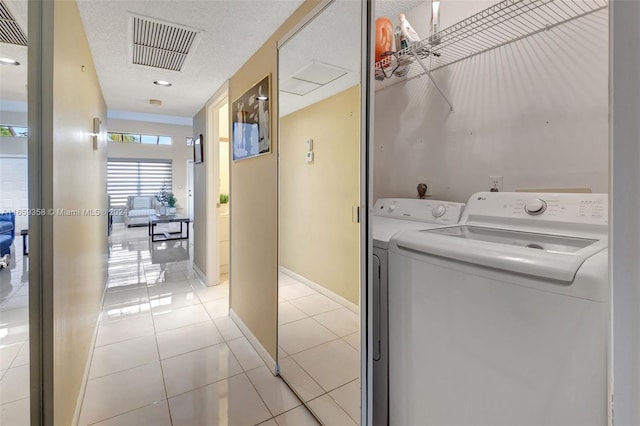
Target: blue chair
(7, 232)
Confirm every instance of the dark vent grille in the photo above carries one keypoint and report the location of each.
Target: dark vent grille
(10, 31)
(161, 45)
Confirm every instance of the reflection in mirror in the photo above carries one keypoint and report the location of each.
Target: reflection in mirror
(319, 182)
(14, 260)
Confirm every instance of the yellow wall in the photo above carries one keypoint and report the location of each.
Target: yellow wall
(254, 210)
(318, 239)
(79, 181)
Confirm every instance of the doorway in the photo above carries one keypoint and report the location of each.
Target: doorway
(218, 187)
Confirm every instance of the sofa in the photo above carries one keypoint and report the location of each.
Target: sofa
(139, 208)
(7, 232)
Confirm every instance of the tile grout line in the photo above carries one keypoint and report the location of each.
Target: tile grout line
(89, 366)
(123, 341)
(340, 405)
(291, 355)
(164, 382)
(205, 385)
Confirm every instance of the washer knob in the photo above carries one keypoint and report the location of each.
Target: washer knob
(392, 207)
(439, 210)
(535, 206)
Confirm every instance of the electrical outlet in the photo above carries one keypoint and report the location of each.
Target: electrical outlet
(495, 183)
(426, 182)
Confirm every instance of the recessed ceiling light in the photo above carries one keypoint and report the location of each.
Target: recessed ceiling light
(162, 83)
(155, 102)
(8, 61)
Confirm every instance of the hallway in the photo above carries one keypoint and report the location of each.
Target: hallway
(166, 351)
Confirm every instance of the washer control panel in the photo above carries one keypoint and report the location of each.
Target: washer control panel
(429, 211)
(558, 207)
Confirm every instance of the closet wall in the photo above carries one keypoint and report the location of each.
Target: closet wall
(534, 111)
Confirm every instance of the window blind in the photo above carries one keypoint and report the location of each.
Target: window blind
(136, 177)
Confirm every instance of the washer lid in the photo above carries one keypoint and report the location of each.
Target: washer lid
(544, 255)
(545, 242)
(384, 228)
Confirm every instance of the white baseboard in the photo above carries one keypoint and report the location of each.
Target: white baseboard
(264, 354)
(322, 290)
(85, 376)
(200, 274)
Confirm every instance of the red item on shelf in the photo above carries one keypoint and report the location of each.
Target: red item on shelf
(384, 37)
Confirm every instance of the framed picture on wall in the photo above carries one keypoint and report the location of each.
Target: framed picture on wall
(197, 149)
(251, 121)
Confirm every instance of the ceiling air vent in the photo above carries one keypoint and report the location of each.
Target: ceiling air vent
(160, 44)
(10, 31)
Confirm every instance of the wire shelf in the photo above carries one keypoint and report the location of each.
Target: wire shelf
(496, 26)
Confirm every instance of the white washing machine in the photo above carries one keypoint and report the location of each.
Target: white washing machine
(389, 216)
(503, 319)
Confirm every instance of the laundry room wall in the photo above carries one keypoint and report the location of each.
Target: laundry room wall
(534, 111)
(317, 239)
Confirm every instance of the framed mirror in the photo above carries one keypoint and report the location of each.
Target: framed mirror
(320, 251)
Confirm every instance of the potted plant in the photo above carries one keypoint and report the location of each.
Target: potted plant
(171, 202)
(166, 199)
(224, 203)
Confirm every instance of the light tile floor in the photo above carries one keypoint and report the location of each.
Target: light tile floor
(319, 344)
(14, 339)
(167, 353)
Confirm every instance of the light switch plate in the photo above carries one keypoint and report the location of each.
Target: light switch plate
(310, 157)
(309, 144)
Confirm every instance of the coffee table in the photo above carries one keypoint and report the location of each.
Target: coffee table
(167, 236)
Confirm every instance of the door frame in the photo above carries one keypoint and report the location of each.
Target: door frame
(366, 184)
(624, 202)
(212, 164)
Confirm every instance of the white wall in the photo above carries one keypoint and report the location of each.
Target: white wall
(179, 152)
(13, 169)
(534, 112)
(13, 188)
(10, 145)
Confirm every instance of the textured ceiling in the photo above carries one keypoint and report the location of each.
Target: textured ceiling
(340, 46)
(13, 80)
(391, 8)
(231, 32)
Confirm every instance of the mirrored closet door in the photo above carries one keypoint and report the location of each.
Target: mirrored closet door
(319, 187)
